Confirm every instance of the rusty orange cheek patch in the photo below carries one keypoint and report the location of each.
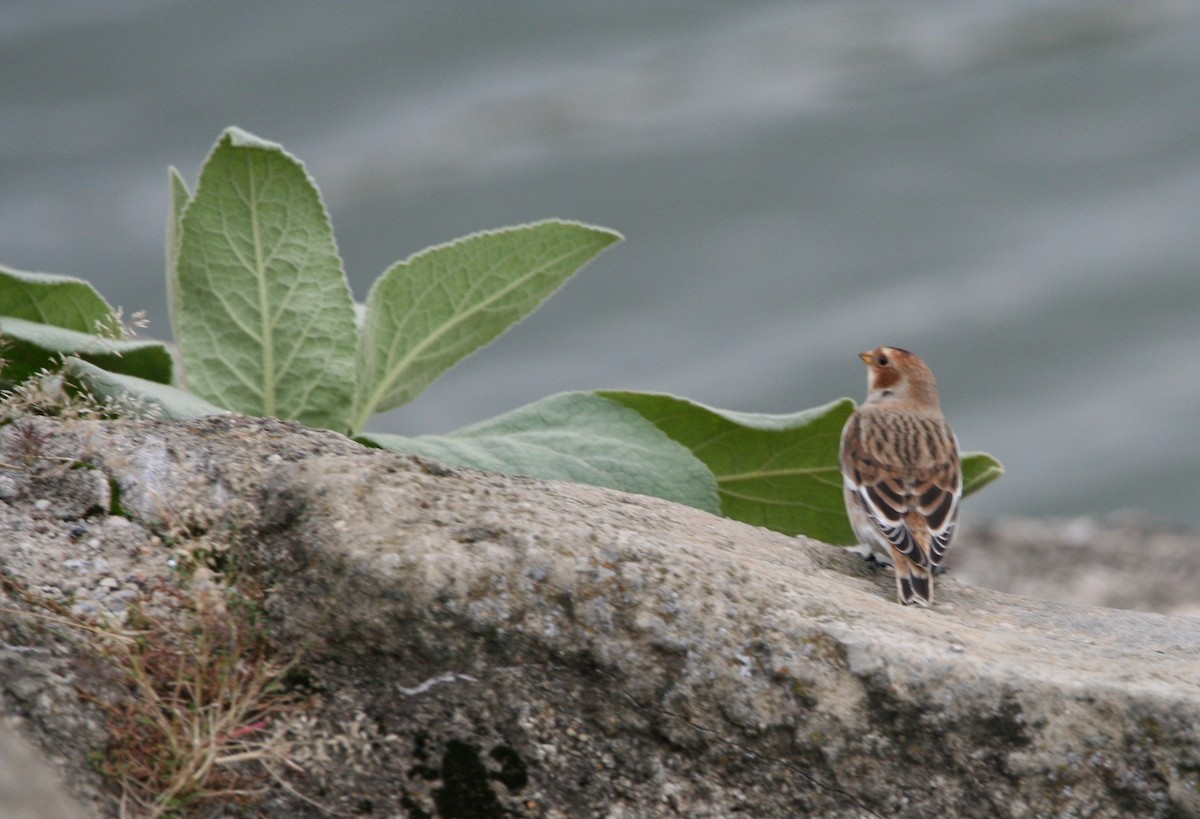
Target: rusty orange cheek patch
(883, 379)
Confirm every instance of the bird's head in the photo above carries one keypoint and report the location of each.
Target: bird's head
(900, 379)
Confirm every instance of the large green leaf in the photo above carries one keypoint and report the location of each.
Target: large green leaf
(777, 471)
(30, 346)
(431, 310)
(171, 402)
(61, 301)
(266, 325)
(979, 469)
(574, 436)
(180, 198)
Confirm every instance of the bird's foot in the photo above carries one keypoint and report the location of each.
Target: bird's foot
(870, 556)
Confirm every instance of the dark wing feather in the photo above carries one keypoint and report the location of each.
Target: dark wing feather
(905, 473)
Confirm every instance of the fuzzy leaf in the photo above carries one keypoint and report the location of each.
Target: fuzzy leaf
(266, 325)
(979, 469)
(433, 309)
(30, 346)
(61, 301)
(777, 471)
(172, 402)
(180, 198)
(574, 436)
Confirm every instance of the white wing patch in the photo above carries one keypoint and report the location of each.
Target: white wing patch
(889, 504)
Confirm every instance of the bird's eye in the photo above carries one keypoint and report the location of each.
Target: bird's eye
(882, 361)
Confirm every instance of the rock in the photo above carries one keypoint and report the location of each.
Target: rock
(480, 645)
(1122, 561)
(38, 698)
(29, 789)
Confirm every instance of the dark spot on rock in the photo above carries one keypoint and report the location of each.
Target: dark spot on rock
(433, 468)
(1007, 724)
(474, 534)
(421, 755)
(412, 809)
(465, 792)
(512, 773)
(303, 681)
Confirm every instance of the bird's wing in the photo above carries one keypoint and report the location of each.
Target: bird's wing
(915, 508)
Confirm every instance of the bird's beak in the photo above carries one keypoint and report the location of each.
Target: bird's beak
(866, 357)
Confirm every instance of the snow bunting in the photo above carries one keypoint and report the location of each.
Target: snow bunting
(901, 471)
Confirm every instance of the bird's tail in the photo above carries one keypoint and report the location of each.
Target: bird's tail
(914, 584)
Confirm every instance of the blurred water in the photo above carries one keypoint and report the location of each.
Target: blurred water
(1011, 190)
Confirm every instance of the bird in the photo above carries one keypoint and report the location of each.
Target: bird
(901, 473)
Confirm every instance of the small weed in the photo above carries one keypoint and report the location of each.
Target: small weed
(202, 697)
(194, 696)
(49, 392)
(117, 328)
(25, 447)
(43, 393)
